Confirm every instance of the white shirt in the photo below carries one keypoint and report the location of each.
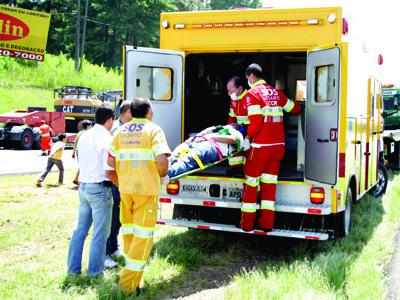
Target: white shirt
(117, 124)
(94, 145)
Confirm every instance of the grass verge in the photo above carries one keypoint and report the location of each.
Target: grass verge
(35, 226)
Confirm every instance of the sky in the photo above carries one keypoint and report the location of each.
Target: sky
(380, 21)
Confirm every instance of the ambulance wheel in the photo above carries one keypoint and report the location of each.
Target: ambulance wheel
(26, 139)
(381, 185)
(343, 227)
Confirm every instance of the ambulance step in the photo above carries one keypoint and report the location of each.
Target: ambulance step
(279, 206)
(231, 228)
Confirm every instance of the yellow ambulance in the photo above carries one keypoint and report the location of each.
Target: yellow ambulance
(333, 150)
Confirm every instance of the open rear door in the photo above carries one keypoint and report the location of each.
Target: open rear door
(157, 74)
(322, 115)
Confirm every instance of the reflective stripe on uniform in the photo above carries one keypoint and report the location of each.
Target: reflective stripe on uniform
(252, 181)
(289, 105)
(134, 154)
(134, 264)
(140, 231)
(261, 81)
(242, 120)
(232, 113)
(45, 134)
(254, 110)
(272, 111)
(267, 204)
(249, 207)
(268, 178)
(237, 160)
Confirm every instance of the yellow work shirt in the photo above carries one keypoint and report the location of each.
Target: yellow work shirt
(135, 147)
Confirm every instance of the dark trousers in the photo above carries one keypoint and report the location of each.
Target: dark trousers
(112, 241)
(50, 163)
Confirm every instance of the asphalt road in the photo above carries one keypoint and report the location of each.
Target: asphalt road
(22, 162)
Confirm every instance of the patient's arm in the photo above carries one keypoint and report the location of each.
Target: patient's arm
(224, 138)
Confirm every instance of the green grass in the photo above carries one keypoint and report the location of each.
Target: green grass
(26, 83)
(35, 226)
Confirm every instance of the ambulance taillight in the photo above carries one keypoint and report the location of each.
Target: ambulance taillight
(173, 187)
(317, 195)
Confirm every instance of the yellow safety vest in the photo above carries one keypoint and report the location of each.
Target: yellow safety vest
(135, 148)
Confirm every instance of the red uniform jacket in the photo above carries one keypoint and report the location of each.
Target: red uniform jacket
(238, 110)
(265, 111)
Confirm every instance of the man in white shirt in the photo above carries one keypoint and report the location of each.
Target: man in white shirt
(94, 195)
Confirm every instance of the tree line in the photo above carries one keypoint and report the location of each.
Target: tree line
(97, 29)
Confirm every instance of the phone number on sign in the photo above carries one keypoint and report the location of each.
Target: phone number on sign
(20, 54)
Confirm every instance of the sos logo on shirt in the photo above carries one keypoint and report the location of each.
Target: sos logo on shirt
(132, 130)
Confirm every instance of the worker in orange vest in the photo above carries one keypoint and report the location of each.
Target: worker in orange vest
(45, 138)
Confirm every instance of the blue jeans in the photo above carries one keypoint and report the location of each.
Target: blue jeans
(204, 150)
(95, 207)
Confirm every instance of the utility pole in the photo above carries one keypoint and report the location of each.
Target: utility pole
(84, 34)
(77, 35)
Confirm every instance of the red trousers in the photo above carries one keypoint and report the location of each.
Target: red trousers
(45, 143)
(261, 169)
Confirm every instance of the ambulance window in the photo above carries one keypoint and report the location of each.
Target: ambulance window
(325, 84)
(154, 83)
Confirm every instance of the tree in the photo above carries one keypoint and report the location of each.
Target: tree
(110, 24)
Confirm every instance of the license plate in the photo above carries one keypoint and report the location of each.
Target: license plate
(235, 193)
(194, 188)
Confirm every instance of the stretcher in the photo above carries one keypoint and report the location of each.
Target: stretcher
(205, 166)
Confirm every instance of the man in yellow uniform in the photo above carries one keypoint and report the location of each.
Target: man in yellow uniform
(139, 156)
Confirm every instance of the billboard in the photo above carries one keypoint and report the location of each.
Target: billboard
(23, 33)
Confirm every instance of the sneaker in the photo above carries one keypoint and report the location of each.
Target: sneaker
(38, 183)
(43, 154)
(109, 263)
(117, 253)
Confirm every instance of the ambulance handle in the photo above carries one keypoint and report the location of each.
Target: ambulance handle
(323, 140)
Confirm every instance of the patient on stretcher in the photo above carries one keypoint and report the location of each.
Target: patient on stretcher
(209, 146)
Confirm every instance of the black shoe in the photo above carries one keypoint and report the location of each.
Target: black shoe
(138, 291)
(43, 154)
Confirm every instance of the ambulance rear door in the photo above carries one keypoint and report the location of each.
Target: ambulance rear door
(322, 115)
(157, 75)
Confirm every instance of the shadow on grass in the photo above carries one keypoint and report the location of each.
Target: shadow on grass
(212, 259)
(209, 260)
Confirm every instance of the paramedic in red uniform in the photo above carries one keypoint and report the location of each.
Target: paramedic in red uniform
(238, 108)
(266, 135)
(237, 111)
(45, 137)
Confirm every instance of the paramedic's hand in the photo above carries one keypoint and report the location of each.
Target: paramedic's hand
(164, 180)
(246, 144)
